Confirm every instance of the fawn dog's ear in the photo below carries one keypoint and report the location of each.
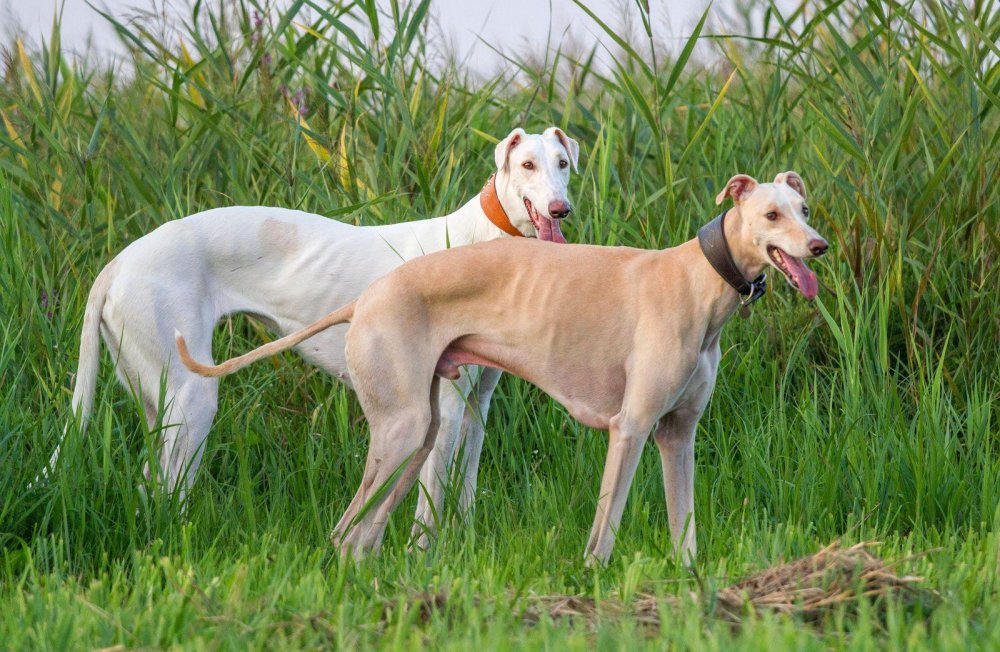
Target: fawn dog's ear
(502, 153)
(571, 146)
(739, 188)
(792, 180)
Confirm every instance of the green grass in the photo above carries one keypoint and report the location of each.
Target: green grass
(870, 414)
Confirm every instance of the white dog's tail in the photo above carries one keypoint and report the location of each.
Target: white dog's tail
(338, 316)
(90, 353)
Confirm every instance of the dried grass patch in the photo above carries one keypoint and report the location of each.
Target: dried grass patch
(807, 588)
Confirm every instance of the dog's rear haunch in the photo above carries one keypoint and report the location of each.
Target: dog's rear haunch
(656, 314)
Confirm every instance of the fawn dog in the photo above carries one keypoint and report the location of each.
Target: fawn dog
(626, 339)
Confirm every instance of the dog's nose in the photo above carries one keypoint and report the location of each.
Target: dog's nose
(818, 246)
(559, 209)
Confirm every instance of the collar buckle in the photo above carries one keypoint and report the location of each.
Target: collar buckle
(758, 287)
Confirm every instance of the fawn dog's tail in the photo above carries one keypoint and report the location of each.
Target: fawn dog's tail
(338, 316)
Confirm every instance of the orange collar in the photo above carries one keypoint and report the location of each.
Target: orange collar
(490, 204)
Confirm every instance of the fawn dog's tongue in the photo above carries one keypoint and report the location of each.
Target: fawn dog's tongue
(547, 229)
(796, 271)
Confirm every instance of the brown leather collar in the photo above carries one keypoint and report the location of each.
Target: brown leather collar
(712, 239)
(490, 204)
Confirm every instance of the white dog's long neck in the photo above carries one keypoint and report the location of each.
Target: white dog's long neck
(467, 225)
(470, 224)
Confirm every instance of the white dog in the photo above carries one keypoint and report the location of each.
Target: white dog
(288, 268)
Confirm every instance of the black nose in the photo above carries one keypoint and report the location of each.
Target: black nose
(818, 246)
(559, 209)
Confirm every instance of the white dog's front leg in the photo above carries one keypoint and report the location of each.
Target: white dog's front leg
(434, 474)
(470, 445)
(186, 421)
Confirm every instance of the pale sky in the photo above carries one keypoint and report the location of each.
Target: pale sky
(511, 25)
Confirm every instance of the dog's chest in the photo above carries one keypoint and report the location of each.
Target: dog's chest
(701, 381)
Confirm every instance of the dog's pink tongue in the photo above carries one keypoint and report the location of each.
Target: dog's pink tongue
(550, 231)
(805, 277)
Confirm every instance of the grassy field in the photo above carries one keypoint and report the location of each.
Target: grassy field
(871, 414)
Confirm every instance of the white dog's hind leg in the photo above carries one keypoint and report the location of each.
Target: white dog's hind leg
(186, 422)
(181, 403)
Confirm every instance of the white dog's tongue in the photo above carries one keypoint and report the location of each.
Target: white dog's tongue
(803, 276)
(549, 230)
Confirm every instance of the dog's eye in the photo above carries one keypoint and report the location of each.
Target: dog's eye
(528, 165)
(805, 211)
(771, 216)
(563, 163)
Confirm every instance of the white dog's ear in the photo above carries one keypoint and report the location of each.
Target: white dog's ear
(571, 146)
(793, 180)
(502, 153)
(739, 188)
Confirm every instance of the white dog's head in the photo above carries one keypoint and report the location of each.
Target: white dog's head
(774, 228)
(532, 179)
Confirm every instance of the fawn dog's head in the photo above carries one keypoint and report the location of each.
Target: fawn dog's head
(773, 228)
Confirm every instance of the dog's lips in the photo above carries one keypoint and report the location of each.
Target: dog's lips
(798, 275)
(547, 229)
